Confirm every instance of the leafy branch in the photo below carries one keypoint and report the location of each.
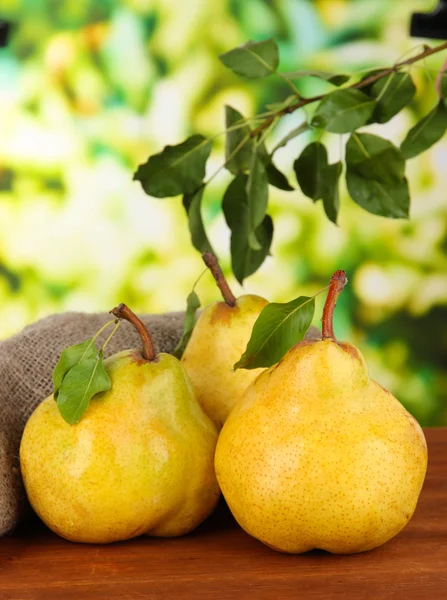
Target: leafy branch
(374, 167)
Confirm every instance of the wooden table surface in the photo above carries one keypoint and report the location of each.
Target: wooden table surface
(220, 562)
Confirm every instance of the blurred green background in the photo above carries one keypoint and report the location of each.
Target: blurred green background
(90, 88)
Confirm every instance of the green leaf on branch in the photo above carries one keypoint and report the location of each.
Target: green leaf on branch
(79, 385)
(193, 205)
(274, 176)
(176, 170)
(324, 75)
(276, 330)
(291, 135)
(257, 195)
(330, 190)
(427, 132)
(253, 60)
(276, 106)
(237, 162)
(373, 157)
(375, 176)
(309, 167)
(343, 111)
(70, 357)
(192, 306)
(244, 260)
(391, 93)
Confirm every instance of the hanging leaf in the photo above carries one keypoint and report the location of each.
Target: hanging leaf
(343, 111)
(244, 260)
(70, 357)
(176, 170)
(372, 157)
(276, 330)
(274, 175)
(192, 306)
(79, 385)
(309, 168)
(253, 60)
(193, 204)
(391, 93)
(329, 190)
(291, 135)
(257, 194)
(239, 162)
(324, 75)
(386, 200)
(427, 132)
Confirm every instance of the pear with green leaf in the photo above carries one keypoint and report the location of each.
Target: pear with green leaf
(318, 455)
(136, 459)
(217, 341)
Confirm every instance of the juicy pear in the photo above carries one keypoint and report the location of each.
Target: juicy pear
(218, 340)
(317, 455)
(139, 461)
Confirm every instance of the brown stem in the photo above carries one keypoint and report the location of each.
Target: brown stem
(360, 84)
(213, 265)
(336, 285)
(123, 312)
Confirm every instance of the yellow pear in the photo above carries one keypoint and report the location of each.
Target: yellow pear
(140, 460)
(317, 455)
(218, 339)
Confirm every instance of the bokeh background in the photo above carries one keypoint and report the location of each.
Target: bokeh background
(90, 88)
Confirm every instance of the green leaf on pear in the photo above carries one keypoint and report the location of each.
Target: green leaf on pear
(276, 330)
(192, 306)
(193, 207)
(244, 260)
(253, 60)
(176, 170)
(426, 132)
(70, 357)
(343, 111)
(309, 167)
(80, 384)
(237, 162)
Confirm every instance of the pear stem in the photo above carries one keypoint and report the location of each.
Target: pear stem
(123, 312)
(336, 285)
(213, 265)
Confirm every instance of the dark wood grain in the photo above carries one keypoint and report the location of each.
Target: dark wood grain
(220, 562)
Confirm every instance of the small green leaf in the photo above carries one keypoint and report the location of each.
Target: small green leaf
(392, 93)
(253, 60)
(276, 330)
(276, 106)
(70, 357)
(343, 111)
(80, 384)
(291, 135)
(373, 157)
(329, 190)
(176, 170)
(240, 161)
(192, 204)
(309, 168)
(427, 132)
(274, 175)
(325, 75)
(257, 195)
(244, 260)
(192, 306)
(386, 200)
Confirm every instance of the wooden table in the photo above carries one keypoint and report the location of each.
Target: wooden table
(220, 562)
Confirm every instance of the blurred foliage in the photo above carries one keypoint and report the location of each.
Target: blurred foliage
(90, 88)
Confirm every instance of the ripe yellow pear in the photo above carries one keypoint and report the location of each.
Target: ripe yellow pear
(139, 461)
(219, 338)
(317, 455)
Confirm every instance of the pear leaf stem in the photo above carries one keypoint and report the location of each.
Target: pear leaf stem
(336, 285)
(123, 312)
(213, 265)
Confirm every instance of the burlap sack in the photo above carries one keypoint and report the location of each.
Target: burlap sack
(27, 361)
